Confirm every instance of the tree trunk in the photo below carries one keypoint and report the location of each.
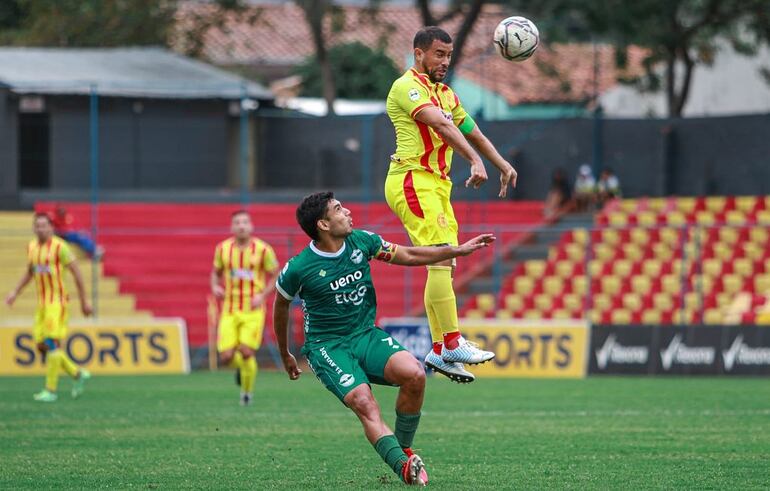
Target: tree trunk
(462, 36)
(427, 16)
(670, 83)
(684, 90)
(315, 11)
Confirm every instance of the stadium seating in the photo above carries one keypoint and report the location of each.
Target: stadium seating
(162, 253)
(660, 260)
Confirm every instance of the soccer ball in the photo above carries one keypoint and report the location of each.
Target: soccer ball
(516, 38)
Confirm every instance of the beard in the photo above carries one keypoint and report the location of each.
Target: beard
(436, 75)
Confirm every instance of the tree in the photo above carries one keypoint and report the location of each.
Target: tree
(679, 34)
(315, 13)
(361, 72)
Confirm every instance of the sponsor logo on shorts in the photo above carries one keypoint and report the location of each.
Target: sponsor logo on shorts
(347, 380)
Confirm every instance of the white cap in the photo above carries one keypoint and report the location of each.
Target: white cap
(585, 170)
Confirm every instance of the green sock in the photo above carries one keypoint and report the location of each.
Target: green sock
(391, 452)
(406, 426)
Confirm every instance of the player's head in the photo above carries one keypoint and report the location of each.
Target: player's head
(240, 224)
(433, 52)
(42, 226)
(321, 213)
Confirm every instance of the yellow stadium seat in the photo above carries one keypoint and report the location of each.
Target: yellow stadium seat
(657, 204)
(686, 317)
(702, 283)
(640, 236)
(728, 235)
(504, 314)
(732, 283)
(543, 301)
(670, 236)
(575, 252)
(762, 283)
(572, 301)
(652, 268)
(671, 283)
(692, 300)
(632, 251)
(735, 217)
(513, 302)
(595, 267)
(611, 237)
(647, 218)
(676, 218)
(602, 302)
(534, 268)
(686, 205)
(474, 314)
(723, 299)
(745, 203)
(715, 204)
(632, 302)
(712, 316)
(618, 219)
(553, 285)
(712, 267)
(620, 316)
(523, 285)
(485, 302)
(629, 205)
(759, 235)
(651, 316)
(753, 250)
(595, 316)
(662, 251)
(662, 301)
(580, 236)
(763, 217)
(610, 284)
(580, 285)
(532, 314)
(561, 314)
(723, 251)
(743, 266)
(622, 268)
(641, 284)
(705, 218)
(604, 252)
(564, 269)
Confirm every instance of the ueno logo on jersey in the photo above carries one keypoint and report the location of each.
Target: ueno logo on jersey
(346, 280)
(242, 274)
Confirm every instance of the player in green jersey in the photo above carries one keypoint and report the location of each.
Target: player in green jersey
(343, 347)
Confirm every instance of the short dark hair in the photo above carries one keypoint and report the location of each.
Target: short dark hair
(312, 209)
(425, 37)
(239, 212)
(42, 214)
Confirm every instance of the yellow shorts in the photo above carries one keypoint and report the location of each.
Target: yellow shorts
(421, 201)
(241, 328)
(51, 322)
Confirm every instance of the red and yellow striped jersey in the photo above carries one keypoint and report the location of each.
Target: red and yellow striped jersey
(47, 262)
(244, 270)
(418, 147)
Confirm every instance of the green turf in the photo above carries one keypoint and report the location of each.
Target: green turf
(189, 432)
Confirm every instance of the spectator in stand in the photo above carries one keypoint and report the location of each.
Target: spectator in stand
(63, 223)
(585, 189)
(608, 187)
(559, 195)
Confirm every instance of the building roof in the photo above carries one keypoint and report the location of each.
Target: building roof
(123, 72)
(278, 35)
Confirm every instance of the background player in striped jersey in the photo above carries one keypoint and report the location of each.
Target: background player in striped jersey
(430, 123)
(243, 277)
(47, 258)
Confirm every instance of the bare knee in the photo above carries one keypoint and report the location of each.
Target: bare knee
(246, 352)
(226, 357)
(362, 403)
(414, 376)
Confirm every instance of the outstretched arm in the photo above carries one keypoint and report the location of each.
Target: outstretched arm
(420, 256)
(484, 146)
(281, 327)
(25, 279)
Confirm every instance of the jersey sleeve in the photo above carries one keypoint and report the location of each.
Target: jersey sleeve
(379, 248)
(410, 96)
(65, 254)
(219, 264)
(269, 261)
(289, 281)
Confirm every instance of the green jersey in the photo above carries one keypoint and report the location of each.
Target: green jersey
(336, 288)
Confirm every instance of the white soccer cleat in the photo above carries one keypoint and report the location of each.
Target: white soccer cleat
(245, 398)
(455, 371)
(466, 352)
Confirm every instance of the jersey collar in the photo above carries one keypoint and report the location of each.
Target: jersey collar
(327, 254)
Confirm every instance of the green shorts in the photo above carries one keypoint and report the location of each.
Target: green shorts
(342, 364)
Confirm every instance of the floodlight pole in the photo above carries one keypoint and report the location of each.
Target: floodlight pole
(94, 164)
(244, 145)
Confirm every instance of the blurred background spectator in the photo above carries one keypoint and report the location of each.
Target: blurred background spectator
(585, 189)
(608, 187)
(559, 195)
(64, 226)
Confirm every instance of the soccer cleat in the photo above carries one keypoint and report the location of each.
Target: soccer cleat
(414, 472)
(245, 398)
(466, 352)
(79, 385)
(45, 396)
(455, 371)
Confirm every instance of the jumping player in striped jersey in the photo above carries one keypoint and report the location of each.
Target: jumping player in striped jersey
(48, 257)
(430, 123)
(243, 277)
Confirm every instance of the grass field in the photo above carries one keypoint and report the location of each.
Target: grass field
(169, 432)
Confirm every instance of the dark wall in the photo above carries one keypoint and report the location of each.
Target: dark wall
(9, 177)
(142, 143)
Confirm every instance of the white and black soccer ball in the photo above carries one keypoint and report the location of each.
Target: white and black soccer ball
(516, 38)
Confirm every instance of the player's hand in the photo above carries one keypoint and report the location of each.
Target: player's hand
(218, 291)
(507, 175)
(257, 301)
(85, 307)
(478, 175)
(10, 299)
(290, 365)
(476, 243)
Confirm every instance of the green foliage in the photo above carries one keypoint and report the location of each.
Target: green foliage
(359, 72)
